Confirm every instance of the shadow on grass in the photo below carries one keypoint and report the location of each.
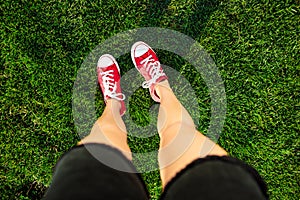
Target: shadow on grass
(33, 190)
(187, 18)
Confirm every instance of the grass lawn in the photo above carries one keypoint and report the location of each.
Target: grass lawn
(254, 43)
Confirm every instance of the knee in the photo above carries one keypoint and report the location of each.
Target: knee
(177, 133)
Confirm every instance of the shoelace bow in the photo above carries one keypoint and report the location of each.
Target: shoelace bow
(154, 70)
(110, 86)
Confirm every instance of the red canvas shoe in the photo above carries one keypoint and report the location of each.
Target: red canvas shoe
(108, 72)
(147, 63)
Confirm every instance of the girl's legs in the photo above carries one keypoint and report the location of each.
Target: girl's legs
(86, 172)
(180, 142)
(110, 129)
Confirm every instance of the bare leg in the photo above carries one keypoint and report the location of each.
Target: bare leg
(180, 142)
(110, 129)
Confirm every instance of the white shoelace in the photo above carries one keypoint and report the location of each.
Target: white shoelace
(110, 86)
(153, 69)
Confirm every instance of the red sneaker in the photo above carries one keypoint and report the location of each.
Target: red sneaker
(108, 72)
(147, 63)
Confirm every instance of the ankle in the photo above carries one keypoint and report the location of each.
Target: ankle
(161, 86)
(164, 83)
(113, 104)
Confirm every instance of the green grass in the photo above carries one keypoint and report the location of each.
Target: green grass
(255, 45)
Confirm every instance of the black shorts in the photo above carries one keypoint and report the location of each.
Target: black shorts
(79, 175)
